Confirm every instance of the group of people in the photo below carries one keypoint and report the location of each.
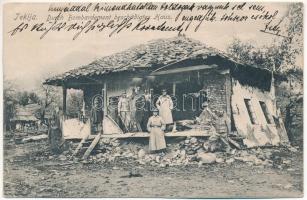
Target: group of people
(133, 110)
(134, 113)
(162, 119)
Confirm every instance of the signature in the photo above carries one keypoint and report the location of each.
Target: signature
(274, 29)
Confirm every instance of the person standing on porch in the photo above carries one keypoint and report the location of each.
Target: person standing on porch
(124, 110)
(137, 109)
(165, 105)
(156, 127)
(97, 116)
(134, 125)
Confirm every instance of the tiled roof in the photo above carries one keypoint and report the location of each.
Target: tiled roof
(154, 54)
(26, 113)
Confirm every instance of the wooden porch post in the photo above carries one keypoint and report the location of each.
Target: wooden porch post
(228, 90)
(64, 100)
(105, 102)
(174, 88)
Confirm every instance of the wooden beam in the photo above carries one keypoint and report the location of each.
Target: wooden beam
(80, 145)
(195, 133)
(64, 101)
(184, 69)
(91, 147)
(105, 99)
(174, 88)
(228, 90)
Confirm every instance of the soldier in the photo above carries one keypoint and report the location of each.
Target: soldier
(124, 110)
(137, 109)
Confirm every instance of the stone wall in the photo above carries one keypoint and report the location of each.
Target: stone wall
(215, 85)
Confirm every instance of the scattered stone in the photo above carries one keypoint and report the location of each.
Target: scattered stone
(163, 165)
(62, 157)
(207, 158)
(191, 152)
(182, 153)
(293, 149)
(290, 169)
(141, 153)
(158, 159)
(134, 173)
(287, 162)
(206, 146)
(230, 160)
(219, 160)
(233, 151)
(193, 140)
(141, 162)
(193, 158)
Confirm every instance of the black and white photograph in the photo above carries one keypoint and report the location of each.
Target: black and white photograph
(153, 99)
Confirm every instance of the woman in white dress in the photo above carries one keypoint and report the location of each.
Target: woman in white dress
(156, 127)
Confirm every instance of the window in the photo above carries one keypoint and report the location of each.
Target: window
(250, 110)
(266, 113)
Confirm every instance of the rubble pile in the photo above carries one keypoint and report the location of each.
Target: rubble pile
(181, 152)
(191, 150)
(113, 150)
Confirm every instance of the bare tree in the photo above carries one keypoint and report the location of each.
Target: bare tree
(50, 96)
(9, 103)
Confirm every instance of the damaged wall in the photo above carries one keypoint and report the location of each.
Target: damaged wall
(218, 86)
(249, 115)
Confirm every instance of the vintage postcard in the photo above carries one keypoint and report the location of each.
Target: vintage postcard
(153, 99)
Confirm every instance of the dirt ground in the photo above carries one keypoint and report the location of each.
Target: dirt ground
(29, 173)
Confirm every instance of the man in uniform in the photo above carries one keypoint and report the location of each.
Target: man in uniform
(137, 109)
(124, 110)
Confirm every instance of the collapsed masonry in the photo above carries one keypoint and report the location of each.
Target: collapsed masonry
(131, 153)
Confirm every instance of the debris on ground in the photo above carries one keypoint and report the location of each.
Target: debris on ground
(34, 138)
(180, 152)
(206, 158)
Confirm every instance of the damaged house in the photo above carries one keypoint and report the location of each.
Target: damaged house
(25, 117)
(243, 95)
